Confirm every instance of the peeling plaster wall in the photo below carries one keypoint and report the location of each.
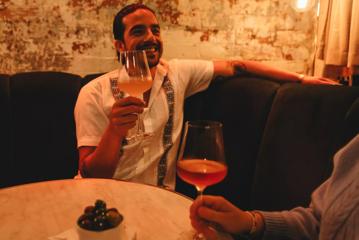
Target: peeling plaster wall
(76, 35)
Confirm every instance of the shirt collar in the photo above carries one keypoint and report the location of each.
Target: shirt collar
(162, 68)
(161, 73)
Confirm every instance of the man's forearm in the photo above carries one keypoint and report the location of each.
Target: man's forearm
(264, 70)
(238, 67)
(102, 162)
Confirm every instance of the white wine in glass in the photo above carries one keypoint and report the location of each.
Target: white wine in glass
(201, 160)
(135, 79)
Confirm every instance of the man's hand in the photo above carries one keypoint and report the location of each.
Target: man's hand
(124, 114)
(317, 80)
(210, 212)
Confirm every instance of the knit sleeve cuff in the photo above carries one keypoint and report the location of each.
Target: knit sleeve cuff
(275, 226)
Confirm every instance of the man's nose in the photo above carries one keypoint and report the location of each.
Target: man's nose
(149, 35)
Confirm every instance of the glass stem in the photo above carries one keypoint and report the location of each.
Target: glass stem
(199, 235)
(140, 127)
(139, 118)
(200, 191)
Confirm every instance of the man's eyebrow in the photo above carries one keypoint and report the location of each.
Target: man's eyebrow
(140, 26)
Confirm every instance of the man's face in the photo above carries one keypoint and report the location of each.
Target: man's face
(142, 32)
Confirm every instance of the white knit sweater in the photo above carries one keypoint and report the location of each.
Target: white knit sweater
(334, 209)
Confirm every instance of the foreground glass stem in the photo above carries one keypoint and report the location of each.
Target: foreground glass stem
(199, 235)
(200, 191)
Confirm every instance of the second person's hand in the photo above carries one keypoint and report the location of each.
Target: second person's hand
(209, 211)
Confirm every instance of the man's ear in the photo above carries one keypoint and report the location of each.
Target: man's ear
(118, 45)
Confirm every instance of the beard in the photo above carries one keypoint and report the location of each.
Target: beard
(153, 61)
(153, 52)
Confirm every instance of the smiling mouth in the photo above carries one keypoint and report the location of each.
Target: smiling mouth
(149, 49)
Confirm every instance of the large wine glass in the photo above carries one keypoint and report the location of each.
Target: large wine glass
(201, 160)
(135, 80)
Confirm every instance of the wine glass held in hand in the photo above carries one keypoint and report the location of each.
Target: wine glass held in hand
(135, 80)
(201, 159)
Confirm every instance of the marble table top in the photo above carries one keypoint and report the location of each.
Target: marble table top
(44, 209)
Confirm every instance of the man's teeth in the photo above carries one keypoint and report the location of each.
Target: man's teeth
(150, 49)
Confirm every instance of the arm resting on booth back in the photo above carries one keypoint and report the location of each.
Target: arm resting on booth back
(238, 67)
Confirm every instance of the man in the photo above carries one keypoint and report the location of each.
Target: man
(103, 117)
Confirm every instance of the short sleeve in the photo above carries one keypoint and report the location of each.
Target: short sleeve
(195, 75)
(91, 119)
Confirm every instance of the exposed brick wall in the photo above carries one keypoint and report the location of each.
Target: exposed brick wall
(76, 35)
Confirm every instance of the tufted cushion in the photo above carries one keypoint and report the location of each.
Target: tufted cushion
(43, 128)
(5, 122)
(86, 79)
(306, 126)
(242, 105)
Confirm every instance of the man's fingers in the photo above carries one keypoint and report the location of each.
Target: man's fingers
(126, 125)
(122, 111)
(329, 81)
(129, 101)
(334, 83)
(128, 119)
(319, 80)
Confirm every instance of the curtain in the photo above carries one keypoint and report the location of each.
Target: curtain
(338, 37)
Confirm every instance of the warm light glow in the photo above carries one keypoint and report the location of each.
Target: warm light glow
(302, 4)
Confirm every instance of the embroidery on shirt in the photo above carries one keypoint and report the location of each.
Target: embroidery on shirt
(167, 134)
(117, 94)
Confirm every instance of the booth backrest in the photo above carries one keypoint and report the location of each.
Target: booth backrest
(305, 127)
(242, 105)
(5, 120)
(39, 141)
(279, 139)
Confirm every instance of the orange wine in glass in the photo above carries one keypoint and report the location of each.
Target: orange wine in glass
(201, 160)
(135, 79)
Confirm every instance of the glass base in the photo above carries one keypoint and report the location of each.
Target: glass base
(199, 236)
(133, 139)
(134, 136)
(138, 133)
(191, 234)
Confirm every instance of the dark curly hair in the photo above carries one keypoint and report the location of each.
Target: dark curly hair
(118, 27)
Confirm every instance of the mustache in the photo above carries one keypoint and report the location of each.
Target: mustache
(149, 45)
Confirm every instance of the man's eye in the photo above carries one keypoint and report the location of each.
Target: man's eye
(156, 31)
(137, 32)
